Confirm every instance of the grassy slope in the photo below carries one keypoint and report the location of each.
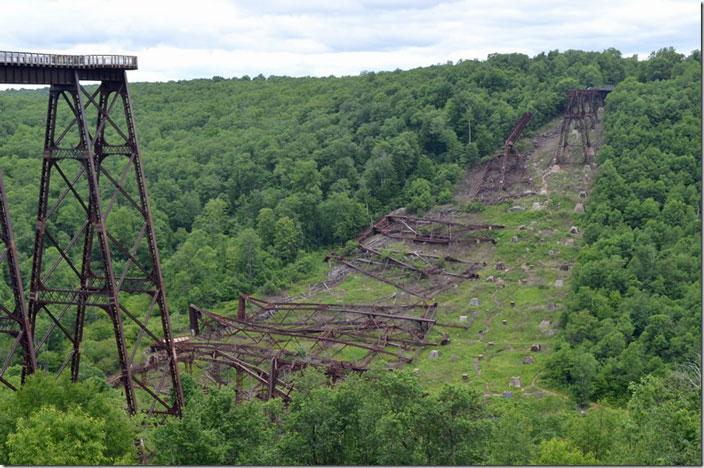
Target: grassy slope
(532, 266)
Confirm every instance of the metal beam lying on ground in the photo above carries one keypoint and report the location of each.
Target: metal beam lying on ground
(266, 342)
(428, 230)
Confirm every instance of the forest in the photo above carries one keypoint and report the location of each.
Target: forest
(252, 180)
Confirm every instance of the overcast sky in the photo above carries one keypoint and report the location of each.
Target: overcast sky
(177, 39)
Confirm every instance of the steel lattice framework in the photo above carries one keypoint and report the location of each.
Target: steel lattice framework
(510, 152)
(93, 187)
(14, 321)
(581, 112)
(268, 341)
(431, 274)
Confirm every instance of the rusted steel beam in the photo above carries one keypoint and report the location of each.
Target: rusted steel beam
(502, 160)
(397, 262)
(264, 305)
(382, 279)
(17, 317)
(509, 146)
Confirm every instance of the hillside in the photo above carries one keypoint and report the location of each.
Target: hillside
(517, 284)
(254, 182)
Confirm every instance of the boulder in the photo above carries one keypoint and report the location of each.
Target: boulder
(536, 348)
(507, 394)
(490, 279)
(565, 267)
(516, 209)
(551, 252)
(574, 230)
(504, 323)
(545, 324)
(515, 382)
(522, 227)
(569, 242)
(465, 377)
(480, 357)
(491, 343)
(512, 304)
(500, 266)
(559, 283)
(551, 305)
(528, 360)
(582, 194)
(579, 208)
(514, 239)
(587, 168)
(463, 318)
(416, 371)
(434, 354)
(536, 206)
(474, 301)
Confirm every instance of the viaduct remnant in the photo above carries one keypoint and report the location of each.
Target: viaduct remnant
(259, 350)
(581, 112)
(14, 321)
(510, 152)
(91, 169)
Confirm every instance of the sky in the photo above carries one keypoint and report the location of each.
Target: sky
(177, 40)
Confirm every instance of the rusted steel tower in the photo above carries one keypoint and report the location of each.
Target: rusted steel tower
(14, 321)
(95, 247)
(581, 110)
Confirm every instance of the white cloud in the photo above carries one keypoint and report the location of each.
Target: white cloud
(177, 39)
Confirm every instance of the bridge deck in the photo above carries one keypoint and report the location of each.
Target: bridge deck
(37, 68)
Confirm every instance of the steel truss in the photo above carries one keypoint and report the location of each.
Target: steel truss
(14, 320)
(433, 273)
(93, 186)
(581, 112)
(268, 341)
(501, 162)
(427, 230)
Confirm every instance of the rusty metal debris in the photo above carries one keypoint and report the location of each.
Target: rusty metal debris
(510, 152)
(427, 230)
(428, 274)
(93, 165)
(265, 343)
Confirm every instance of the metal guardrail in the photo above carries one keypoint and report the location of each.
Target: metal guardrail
(31, 59)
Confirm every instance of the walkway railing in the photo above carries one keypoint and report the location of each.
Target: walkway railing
(125, 62)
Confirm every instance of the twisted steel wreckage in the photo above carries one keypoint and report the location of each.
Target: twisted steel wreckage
(92, 157)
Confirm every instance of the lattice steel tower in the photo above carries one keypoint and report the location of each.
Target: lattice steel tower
(95, 247)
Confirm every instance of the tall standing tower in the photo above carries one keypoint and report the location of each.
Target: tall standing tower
(95, 249)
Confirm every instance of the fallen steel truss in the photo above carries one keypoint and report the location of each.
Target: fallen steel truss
(266, 342)
(427, 230)
(95, 243)
(510, 153)
(418, 274)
